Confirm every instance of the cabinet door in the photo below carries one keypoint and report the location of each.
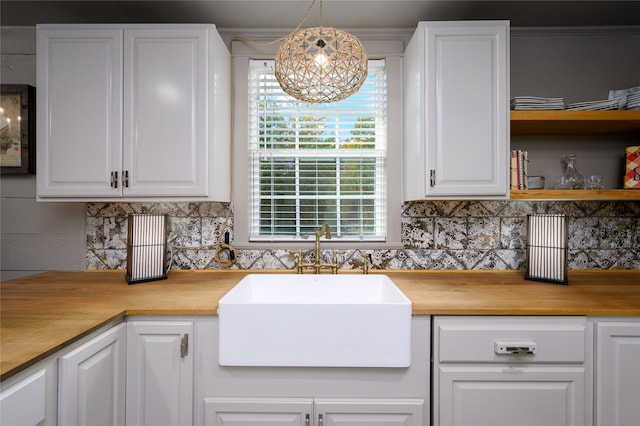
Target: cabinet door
(92, 381)
(165, 107)
(159, 373)
(503, 395)
(618, 373)
(79, 111)
(258, 411)
(467, 110)
(367, 412)
(457, 111)
(25, 403)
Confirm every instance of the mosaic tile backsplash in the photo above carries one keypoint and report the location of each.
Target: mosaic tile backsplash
(459, 235)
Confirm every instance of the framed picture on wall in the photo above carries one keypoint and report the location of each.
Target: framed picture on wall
(17, 129)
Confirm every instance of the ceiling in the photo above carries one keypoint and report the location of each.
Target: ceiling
(348, 14)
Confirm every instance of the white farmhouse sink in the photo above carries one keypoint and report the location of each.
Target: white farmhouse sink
(315, 320)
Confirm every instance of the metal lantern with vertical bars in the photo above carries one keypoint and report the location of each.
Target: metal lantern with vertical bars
(146, 248)
(547, 248)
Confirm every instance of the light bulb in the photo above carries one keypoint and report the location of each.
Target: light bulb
(321, 59)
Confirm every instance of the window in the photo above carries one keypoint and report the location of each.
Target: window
(316, 163)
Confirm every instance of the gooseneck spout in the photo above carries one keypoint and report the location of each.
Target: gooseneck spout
(323, 230)
(317, 265)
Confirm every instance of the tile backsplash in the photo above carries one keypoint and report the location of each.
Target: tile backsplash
(459, 235)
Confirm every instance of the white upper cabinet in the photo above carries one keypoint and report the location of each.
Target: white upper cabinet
(127, 112)
(456, 111)
(79, 116)
(165, 112)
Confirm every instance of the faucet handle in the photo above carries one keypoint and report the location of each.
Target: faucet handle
(366, 258)
(334, 263)
(299, 259)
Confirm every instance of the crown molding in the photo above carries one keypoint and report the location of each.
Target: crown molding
(576, 31)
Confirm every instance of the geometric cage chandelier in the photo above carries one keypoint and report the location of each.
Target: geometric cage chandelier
(320, 64)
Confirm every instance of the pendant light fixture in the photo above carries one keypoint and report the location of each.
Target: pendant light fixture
(320, 64)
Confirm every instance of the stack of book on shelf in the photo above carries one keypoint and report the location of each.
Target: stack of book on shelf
(519, 169)
(535, 102)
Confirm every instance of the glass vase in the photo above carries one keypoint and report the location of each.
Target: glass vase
(573, 178)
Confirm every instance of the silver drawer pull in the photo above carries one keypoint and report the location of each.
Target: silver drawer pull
(515, 348)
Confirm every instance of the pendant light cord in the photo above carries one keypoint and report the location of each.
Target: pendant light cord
(304, 19)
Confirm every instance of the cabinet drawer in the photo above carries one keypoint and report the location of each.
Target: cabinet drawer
(25, 403)
(510, 339)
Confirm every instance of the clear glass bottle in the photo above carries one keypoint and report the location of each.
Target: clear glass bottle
(574, 179)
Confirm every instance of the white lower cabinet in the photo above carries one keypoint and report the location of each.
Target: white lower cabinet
(159, 373)
(28, 400)
(311, 396)
(82, 384)
(617, 372)
(91, 381)
(525, 396)
(506, 370)
(313, 412)
(525, 371)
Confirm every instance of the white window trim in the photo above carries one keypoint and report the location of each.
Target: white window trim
(242, 53)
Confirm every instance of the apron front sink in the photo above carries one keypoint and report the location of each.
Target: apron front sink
(315, 321)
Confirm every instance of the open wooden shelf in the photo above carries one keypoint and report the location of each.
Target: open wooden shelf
(577, 194)
(574, 122)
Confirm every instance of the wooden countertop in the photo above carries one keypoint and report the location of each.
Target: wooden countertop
(43, 313)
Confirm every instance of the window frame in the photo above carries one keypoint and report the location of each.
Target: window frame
(391, 52)
(301, 152)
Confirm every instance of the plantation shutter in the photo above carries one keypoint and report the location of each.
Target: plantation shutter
(317, 163)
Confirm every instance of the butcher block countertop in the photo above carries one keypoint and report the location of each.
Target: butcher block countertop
(43, 313)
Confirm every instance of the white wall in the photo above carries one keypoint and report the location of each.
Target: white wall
(579, 64)
(34, 236)
(576, 64)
